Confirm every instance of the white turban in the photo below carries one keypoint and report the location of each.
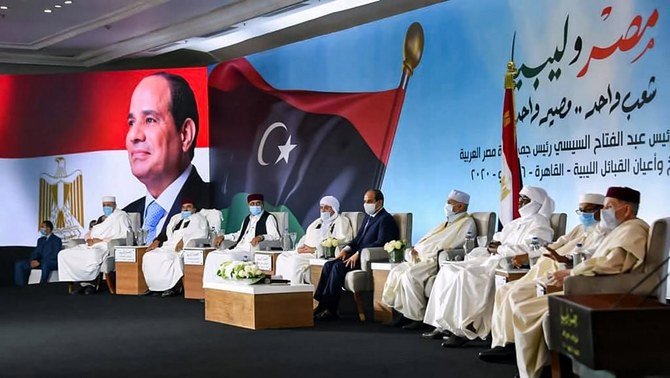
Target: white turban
(539, 196)
(459, 196)
(332, 202)
(594, 198)
(109, 199)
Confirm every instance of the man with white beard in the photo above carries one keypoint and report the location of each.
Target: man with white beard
(405, 285)
(590, 233)
(621, 251)
(461, 301)
(82, 262)
(162, 265)
(292, 265)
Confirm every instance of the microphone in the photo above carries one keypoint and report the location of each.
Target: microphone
(645, 278)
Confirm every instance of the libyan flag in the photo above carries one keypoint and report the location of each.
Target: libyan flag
(296, 146)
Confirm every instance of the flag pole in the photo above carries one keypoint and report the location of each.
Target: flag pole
(412, 53)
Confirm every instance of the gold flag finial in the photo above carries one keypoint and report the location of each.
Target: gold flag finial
(509, 75)
(413, 48)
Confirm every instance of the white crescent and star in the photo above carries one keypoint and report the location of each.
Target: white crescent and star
(284, 150)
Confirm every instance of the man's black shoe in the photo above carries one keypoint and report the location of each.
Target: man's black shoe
(413, 325)
(454, 341)
(326, 315)
(499, 354)
(89, 290)
(169, 293)
(435, 334)
(77, 289)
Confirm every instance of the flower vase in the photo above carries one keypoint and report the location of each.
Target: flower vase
(397, 256)
(328, 252)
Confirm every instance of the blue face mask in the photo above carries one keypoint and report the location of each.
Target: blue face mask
(107, 210)
(43, 231)
(185, 214)
(325, 215)
(255, 210)
(587, 219)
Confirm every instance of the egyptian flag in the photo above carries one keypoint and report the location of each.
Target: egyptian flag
(296, 146)
(510, 176)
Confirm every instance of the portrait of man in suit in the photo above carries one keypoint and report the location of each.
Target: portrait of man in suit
(161, 139)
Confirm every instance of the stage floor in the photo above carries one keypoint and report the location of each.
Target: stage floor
(46, 332)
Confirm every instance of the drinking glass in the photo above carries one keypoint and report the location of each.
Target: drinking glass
(482, 241)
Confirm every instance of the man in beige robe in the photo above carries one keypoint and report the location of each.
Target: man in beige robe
(621, 251)
(590, 233)
(405, 285)
(82, 263)
(461, 301)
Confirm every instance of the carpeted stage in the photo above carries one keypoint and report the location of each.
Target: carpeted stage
(45, 332)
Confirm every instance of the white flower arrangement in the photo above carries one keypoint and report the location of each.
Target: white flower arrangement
(330, 242)
(239, 270)
(395, 245)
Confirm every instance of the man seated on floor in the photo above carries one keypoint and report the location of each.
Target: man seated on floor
(590, 233)
(621, 251)
(461, 301)
(292, 265)
(258, 226)
(44, 257)
(405, 285)
(82, 262)
(377, 229)
(162, 265)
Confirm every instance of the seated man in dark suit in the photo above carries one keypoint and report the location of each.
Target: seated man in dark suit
(45, 256)
(378, 228)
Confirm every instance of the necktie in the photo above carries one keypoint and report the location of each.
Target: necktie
(152, 216)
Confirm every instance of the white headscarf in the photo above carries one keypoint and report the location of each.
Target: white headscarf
(539, 197)
(335, 204)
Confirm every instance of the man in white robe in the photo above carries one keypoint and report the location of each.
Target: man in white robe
(405, 284)
(461, 301)
(258, 226)
(590, 233)
(163, 264)
(82, 262)
(621, 251)
(293, 265)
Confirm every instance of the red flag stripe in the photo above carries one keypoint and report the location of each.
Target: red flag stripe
(44, 115)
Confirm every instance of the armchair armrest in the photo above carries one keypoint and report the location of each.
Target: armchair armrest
(197, 242)
(73, 242)
(269, 245)
(610, 284)
(114, 243)
(370, 255)
(454, 254)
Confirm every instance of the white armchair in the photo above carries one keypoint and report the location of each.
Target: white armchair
(214, 219)
(282, 223)
(360, 281)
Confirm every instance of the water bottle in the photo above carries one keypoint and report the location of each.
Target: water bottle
(534, 250)
(286, 239)
(130, 237)
(469, 244)
(212, 236)
(578, 254)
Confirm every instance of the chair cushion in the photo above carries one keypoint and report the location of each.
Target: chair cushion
(357, 281)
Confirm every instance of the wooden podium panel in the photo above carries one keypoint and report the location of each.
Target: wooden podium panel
(315, 268)
(194, 265)
(504, 276)
(631, 338)
(129, 276)
(380, 272)
(260, 306)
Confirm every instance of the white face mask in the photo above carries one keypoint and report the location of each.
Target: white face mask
(608, 217)
(369, 208)
(529, 209)
(325, 216)
(449, 210)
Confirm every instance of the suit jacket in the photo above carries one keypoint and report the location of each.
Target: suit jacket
(47, 249)
(193, 188)
(380, 229)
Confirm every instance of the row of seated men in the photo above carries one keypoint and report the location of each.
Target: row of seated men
(463, 304)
